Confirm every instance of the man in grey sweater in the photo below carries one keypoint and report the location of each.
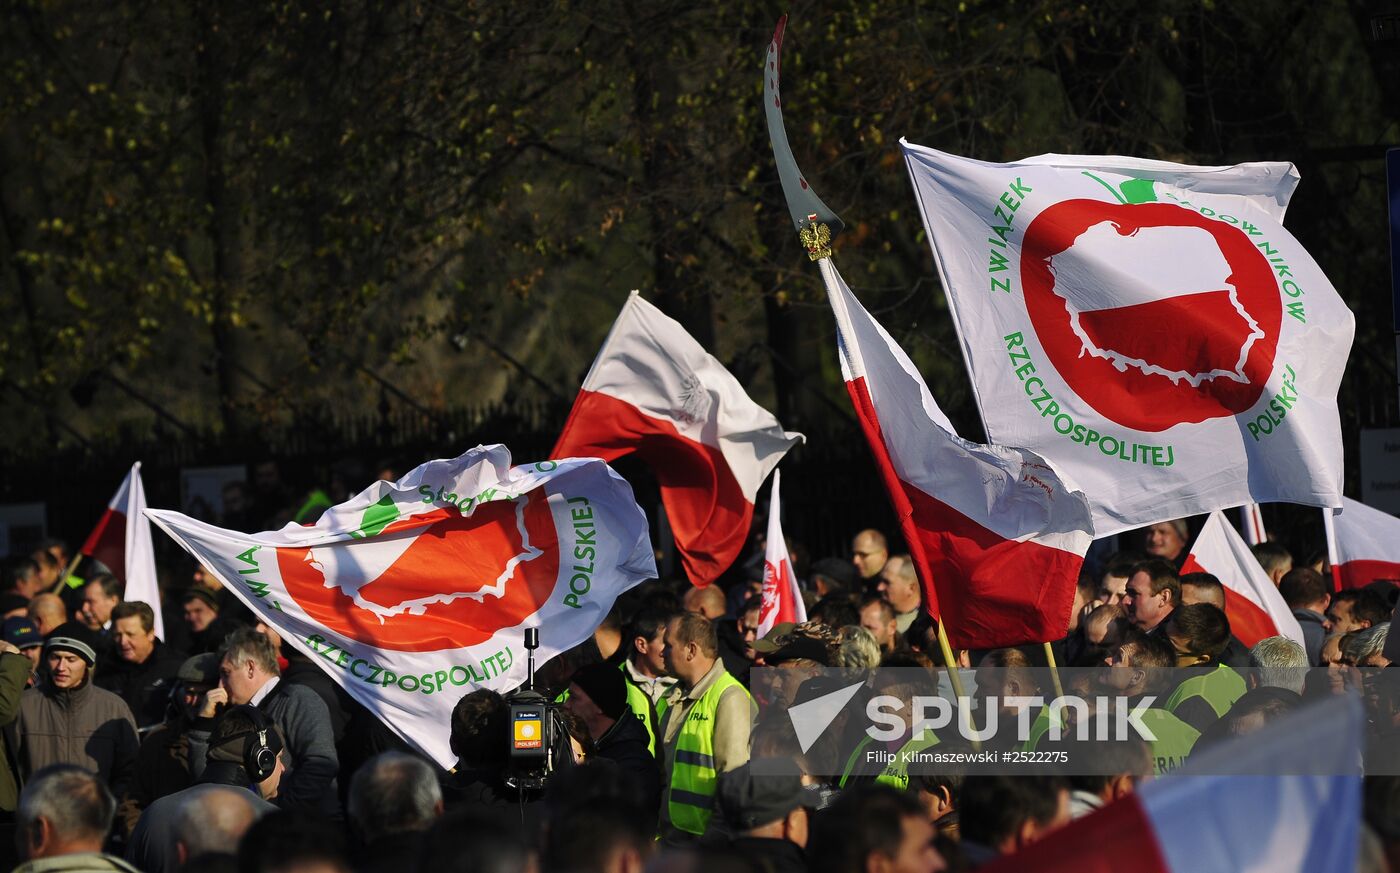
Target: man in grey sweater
(248, 673)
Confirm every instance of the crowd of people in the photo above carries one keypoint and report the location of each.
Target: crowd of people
(219, 747)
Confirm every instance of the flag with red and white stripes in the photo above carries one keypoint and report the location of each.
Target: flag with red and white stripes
(122, 541)
(997, 537)
(1252, 524)
(1255, 608)
(655, 391)
(1363, 544)
(782, 601)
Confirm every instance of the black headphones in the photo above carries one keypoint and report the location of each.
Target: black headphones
(260, 756)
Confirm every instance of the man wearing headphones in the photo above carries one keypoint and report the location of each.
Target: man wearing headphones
(242, 775)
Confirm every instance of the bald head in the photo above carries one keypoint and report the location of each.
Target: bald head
(869, 551)
(708, 601)
(47, 612)
(213, 821)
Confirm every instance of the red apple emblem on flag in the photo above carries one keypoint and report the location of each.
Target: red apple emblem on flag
(1154, 314)
(438, 580)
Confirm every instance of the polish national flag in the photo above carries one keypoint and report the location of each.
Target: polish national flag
(781, 599)
(1255, 608)
(997, 537)
(655, 391)
(122, 541)
(1363, 543)
(1283, 799)
(1252, 523)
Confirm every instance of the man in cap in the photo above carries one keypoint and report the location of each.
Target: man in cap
(598, 695)
(24, 636)
(144, 668)
(799, 652)
(706, 728)
(65, 719)
(230, 797)
(164, 761)
(766, 812)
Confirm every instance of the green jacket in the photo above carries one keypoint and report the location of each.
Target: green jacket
(14, 673)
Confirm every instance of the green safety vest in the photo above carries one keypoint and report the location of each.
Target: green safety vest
(896, 772)
(853, 760)
(1175, 739)
(693, 774)
(641, 706)
(1220, 687)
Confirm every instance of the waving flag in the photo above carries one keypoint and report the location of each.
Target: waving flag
(1265, 819)
(655, 391)
(1149, 327)
(1363, 543)
(415, 592)
(122, 541)
(1255, 608)
(997, 538)
(782, 601)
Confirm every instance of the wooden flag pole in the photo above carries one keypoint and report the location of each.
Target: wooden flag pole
(956, 680)
(1054, 671)
(63, 578)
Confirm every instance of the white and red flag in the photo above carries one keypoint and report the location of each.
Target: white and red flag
(1363, 544)
(122, 541)
(1285, 799)
(782, 601)
(1255, 608)
(415, 592)
(1149, 327)
(1252, 524)
(998, 539)
(655, 391)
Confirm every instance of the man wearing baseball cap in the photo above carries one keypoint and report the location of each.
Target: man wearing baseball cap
(23, 635)
(65, 719)
(766, 812)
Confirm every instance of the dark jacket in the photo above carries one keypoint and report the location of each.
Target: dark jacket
(731, 650)
(310, 782)
(486, 789)
(767, 855)
(1313, 634)
(14, 672)
(339, 703)
(152, 843)
(392, 853)
(625, 744)
(146, 686)
(86, 726)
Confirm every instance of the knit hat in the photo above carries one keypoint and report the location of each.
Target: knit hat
(606, 686)
(73, 637)
(747, 800)
(198, 593)
(200, 670)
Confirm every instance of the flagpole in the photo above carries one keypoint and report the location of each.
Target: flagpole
(63, 579)
(1054, 670)
(956, 681)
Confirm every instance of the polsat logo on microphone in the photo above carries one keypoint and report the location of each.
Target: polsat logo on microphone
(432, 581)
(1154, 314)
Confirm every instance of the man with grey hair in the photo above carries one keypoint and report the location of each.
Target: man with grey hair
(248, 674)
(211, 822)
(1277, 662)
(1366, 648)
(64, 815)
(394, 798)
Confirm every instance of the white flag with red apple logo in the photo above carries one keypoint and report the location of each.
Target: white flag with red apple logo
(1149, 327)
(781, 599)
(416, 592)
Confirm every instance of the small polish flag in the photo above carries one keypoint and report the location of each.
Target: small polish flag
(1297, 809)
(655, 391)
(1255, 608)
(1252, 523)
(781, 599)
(122, 541)
(997, 537)
(1363, 543)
